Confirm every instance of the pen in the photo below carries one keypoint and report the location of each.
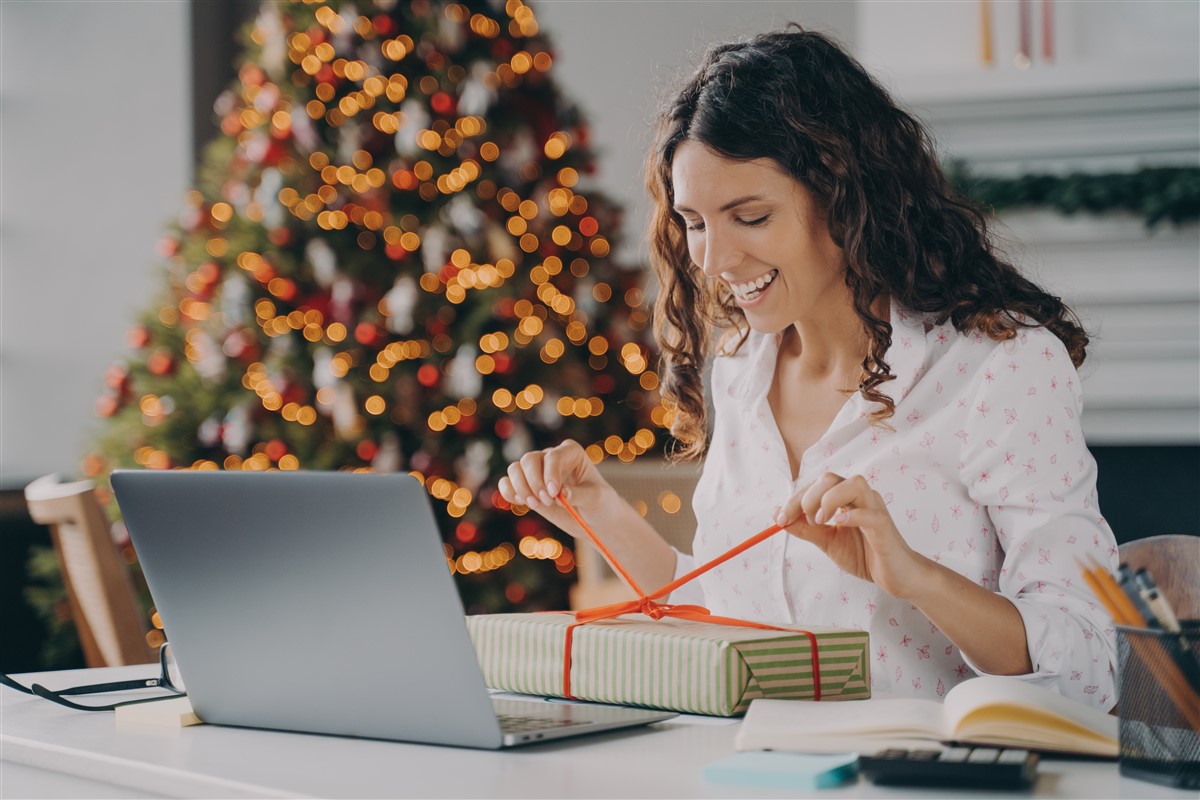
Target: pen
(1153, 598)
(1133, 590)
(1168, 671)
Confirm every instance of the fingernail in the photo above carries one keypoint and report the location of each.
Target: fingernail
(779, 520)
(552, 488)
(839, 517)
(819, 517)
(519, 501)
(547, 499)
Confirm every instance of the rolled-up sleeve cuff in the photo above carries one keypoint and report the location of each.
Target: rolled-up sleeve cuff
(1037, 633)
(1048, 641)
(689, 592)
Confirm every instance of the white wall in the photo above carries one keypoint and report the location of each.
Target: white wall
(619, 58)
(95, 155)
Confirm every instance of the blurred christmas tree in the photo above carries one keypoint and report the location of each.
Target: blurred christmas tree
(387, 265)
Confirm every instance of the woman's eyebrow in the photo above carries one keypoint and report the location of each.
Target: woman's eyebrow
(734, 203)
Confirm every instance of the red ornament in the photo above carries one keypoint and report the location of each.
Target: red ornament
(138, 337)
(366, 449)
(466, 532)
(365, 333)
(106, 405)
(588, 226)
(168, 246)
(604, 384)
(395, 252)
(383, 24)
(427, 376)
(504, 427)
(503, 362)
(279, 237)
(467, 425)
(116, 376)
(528, 526)
(442, 103)
(160, 362)
(506, 307)
(275, 449)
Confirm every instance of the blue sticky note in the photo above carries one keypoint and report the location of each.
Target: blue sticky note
(777, 770)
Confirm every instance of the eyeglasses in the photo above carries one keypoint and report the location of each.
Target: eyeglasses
(169, 679)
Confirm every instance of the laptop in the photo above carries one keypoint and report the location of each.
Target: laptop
(321, 602)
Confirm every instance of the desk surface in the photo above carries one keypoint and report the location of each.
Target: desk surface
(52, 751)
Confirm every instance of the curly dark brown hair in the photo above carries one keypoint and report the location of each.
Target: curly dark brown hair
(797, 98)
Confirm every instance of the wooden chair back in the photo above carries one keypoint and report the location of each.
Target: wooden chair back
(111, 627)
(1174, 562)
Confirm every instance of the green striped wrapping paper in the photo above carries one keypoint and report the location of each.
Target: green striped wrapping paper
(674, 664)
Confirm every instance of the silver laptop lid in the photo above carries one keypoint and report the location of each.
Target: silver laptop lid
(309, 601)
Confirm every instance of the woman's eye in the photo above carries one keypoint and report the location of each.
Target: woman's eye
(753, 223)
(698, 226)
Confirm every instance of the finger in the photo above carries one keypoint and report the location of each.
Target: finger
(506, 490)
(812, 499)
(522, 494)
(790, 512)
(533, 464)
(560, 467)
(852, 493)
(865, 519)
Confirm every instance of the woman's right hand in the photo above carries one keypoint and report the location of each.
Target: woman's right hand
(540, 475)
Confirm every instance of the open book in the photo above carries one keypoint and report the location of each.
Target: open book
(988, 710)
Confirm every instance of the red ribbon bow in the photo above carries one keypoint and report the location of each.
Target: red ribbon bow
(645, 604)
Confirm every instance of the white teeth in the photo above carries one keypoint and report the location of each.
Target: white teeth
(751, 289)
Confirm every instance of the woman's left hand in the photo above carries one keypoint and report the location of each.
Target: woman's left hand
(848, 520)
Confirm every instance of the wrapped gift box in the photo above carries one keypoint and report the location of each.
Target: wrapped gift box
(680, 665)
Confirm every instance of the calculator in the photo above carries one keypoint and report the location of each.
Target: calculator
(974, 767)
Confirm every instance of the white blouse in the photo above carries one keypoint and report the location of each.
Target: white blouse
(983, 469)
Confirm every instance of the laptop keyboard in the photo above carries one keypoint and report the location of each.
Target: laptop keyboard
(515, 723)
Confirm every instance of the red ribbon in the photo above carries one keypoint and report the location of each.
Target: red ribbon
(645, 604)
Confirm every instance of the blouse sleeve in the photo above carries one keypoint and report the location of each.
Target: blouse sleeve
(1024, 461)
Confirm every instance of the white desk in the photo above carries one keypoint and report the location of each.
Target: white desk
(50, 751)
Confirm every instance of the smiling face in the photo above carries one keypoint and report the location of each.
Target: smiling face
(759, 230)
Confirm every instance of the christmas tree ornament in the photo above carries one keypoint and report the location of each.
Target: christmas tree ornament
(401, 301)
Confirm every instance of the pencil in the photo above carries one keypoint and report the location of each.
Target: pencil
(1144, 642)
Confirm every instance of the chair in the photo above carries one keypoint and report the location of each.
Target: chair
(111, 627)
(1174, 562)
(662, 493)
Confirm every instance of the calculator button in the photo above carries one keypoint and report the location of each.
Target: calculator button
(955, 754)
(983, 755)
(924, 755)
(1013, 757)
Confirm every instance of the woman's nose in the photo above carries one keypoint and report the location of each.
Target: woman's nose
(719, 254)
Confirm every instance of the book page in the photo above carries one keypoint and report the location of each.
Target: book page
(824, 727)
(1003, 710)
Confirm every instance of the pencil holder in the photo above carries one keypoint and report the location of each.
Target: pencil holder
(1159, 709)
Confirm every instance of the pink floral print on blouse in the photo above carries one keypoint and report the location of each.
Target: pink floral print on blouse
(984, 470)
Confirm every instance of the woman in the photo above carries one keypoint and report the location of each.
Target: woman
(887, 388)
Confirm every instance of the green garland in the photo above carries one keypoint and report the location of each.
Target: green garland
(1154, 193)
